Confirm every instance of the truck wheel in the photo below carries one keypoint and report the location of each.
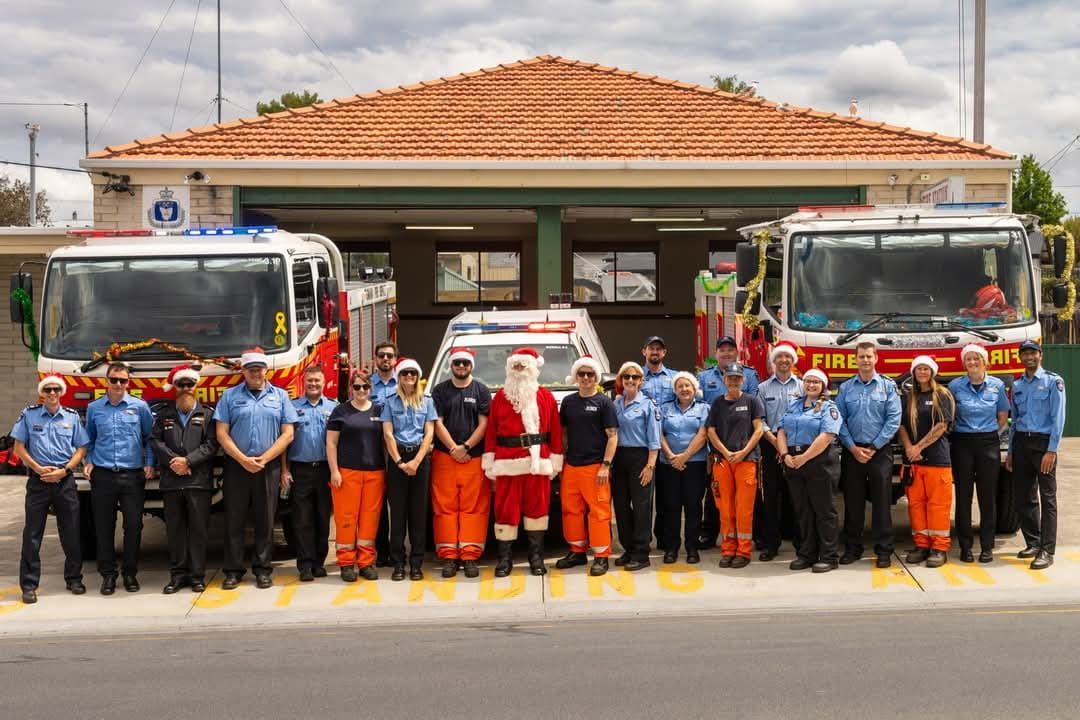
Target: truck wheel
(1008, 518)
(87, 532)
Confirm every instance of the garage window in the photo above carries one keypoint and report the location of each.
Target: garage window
(603, 275)
(470, 275)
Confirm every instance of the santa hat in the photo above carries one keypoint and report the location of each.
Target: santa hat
(51, 379)
(977, 349)
(180, 372)
(689, 377)
(785, 347)
(815, 373)
(254, 356)
(526, 355)
(924, 360)
(463, 353)
(630, 365)
(408, 364)
(585, 361)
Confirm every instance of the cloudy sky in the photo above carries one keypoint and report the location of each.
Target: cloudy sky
(903, 66)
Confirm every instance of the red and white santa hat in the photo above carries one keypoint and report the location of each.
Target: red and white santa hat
(785, 347)
(50, 380)
(977, 349)
(408, 364)
(925, 360)
(585, 361)
(181, 372)
(526, 355)
(463, 353)
(688, 377)
(815, 373)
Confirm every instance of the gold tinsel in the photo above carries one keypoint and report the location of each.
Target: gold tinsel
(1050, 232)
(753, 288)
(117, 349)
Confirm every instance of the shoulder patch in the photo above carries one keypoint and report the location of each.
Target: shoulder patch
(35, 406)
(1060, 385)
(834, 413)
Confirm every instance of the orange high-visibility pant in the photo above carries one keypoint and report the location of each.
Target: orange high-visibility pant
(461, 498)
(734, 488)
(929, 503)
(357, 505)
(580, 492)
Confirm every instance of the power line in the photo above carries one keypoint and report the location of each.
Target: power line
(137, 65)
(317, 47)
(241, 107)
(47, 167)
(183, 72)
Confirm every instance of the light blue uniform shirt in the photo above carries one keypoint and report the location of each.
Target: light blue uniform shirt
(184, 416)
(309, 436)
(681, 426)
(659, 385)
(255, 419)
(51, 439)
(119, 434)
(712, 383)
(977, 410)
(776, 396)
(409, 422)
(382, 390)
(870, 410)
(802, 425)
(1038, 406)
(639, 422)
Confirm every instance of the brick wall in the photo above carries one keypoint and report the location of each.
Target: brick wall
(211, 206)
(17, 368)
(114, 210)
(898, 195)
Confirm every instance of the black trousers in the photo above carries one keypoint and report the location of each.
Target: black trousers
(770, 502)
(976, 462)
(681, 495)
(187, 518)
(408, 498)
(861, 481)
(1035, 492)
(633, 503)
(710, 519)
(245, 490)
(813, 490)
(126, 488)
(312, 509)
(64, 501)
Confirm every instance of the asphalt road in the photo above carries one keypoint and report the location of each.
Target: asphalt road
(966, 664)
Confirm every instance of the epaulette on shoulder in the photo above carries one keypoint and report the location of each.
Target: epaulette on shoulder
(35, 406)
(73, 411)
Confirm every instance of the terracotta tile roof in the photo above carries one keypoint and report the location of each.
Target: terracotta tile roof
(553, 108)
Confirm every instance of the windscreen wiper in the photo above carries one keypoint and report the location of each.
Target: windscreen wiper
(943, 322)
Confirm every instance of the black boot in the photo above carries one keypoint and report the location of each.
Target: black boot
(505, 563)
(536, 552)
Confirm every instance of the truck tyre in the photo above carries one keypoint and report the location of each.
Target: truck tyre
(1008, 518)
(87, 532)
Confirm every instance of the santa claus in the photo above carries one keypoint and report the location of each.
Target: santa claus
(522, 452)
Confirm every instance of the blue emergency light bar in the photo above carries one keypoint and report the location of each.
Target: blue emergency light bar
(493, 327)
(969, 205)
(241, 230)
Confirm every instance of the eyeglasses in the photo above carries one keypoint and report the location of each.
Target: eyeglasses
(631, 377)
(185, 384)
(361, 386)
(385, 355)
(461, 363)
(406, 373)
(118, 381)
(586, 374)
(50, 390)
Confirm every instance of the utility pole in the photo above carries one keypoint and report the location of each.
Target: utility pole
(219, 61)
(34, 128)
(980, 70)
(86, 126)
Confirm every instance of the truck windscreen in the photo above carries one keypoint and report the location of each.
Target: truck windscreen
(490, 367)
(211, 305)
(978, 278)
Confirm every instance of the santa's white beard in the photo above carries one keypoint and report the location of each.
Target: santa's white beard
(520, 389)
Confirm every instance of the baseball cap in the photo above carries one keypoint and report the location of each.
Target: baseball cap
(654, 339)
(1030, 345)
(734, 369)
(726, 340)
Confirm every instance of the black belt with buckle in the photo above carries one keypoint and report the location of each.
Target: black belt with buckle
(523, 440)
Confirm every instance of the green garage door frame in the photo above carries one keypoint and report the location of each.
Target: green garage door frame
(1065, 361)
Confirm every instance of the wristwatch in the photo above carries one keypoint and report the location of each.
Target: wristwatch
(466, 446)
(605, 463)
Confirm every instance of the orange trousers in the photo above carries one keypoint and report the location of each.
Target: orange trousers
(580, 492)
(461, 498)
(929, 502)
(734, 488)
(357, 506)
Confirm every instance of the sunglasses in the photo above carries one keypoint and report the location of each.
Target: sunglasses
(631, 377)
(118, 381)
(361, 386)
(385, 356)
(50, 390)
(586, 374)
(407, 373)
(185, 384)
(461, 363)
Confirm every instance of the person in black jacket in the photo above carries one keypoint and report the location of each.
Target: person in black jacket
(184, 444)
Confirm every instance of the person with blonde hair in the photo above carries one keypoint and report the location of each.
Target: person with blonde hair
(634, 467)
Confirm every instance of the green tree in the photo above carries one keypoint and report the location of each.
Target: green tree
(1033, 192)
(287, 100)
(15, 203)
(731, 84)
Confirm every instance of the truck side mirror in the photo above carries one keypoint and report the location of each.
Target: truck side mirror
(746, 263)
(1060, 247)
(327, 293)
(1060, 295)
(740, 302)
(20, 281)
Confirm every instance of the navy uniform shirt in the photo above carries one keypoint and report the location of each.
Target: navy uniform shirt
(460, 410)
(255, 418)
(639, 422)
(733, 420)
(360, 444)
(119, 434)
(712, 383)
(587, 420)
(870, 410)
(937, 455)
(409, 422)
(977, 408)
(382, 390)
(659, 385)
(681, 426)
(50, 438)
(309, 437)
(777, 397)
(802, 424)
(1038, 406)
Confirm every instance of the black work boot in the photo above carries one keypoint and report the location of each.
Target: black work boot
(505, 563)
(536, 552)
